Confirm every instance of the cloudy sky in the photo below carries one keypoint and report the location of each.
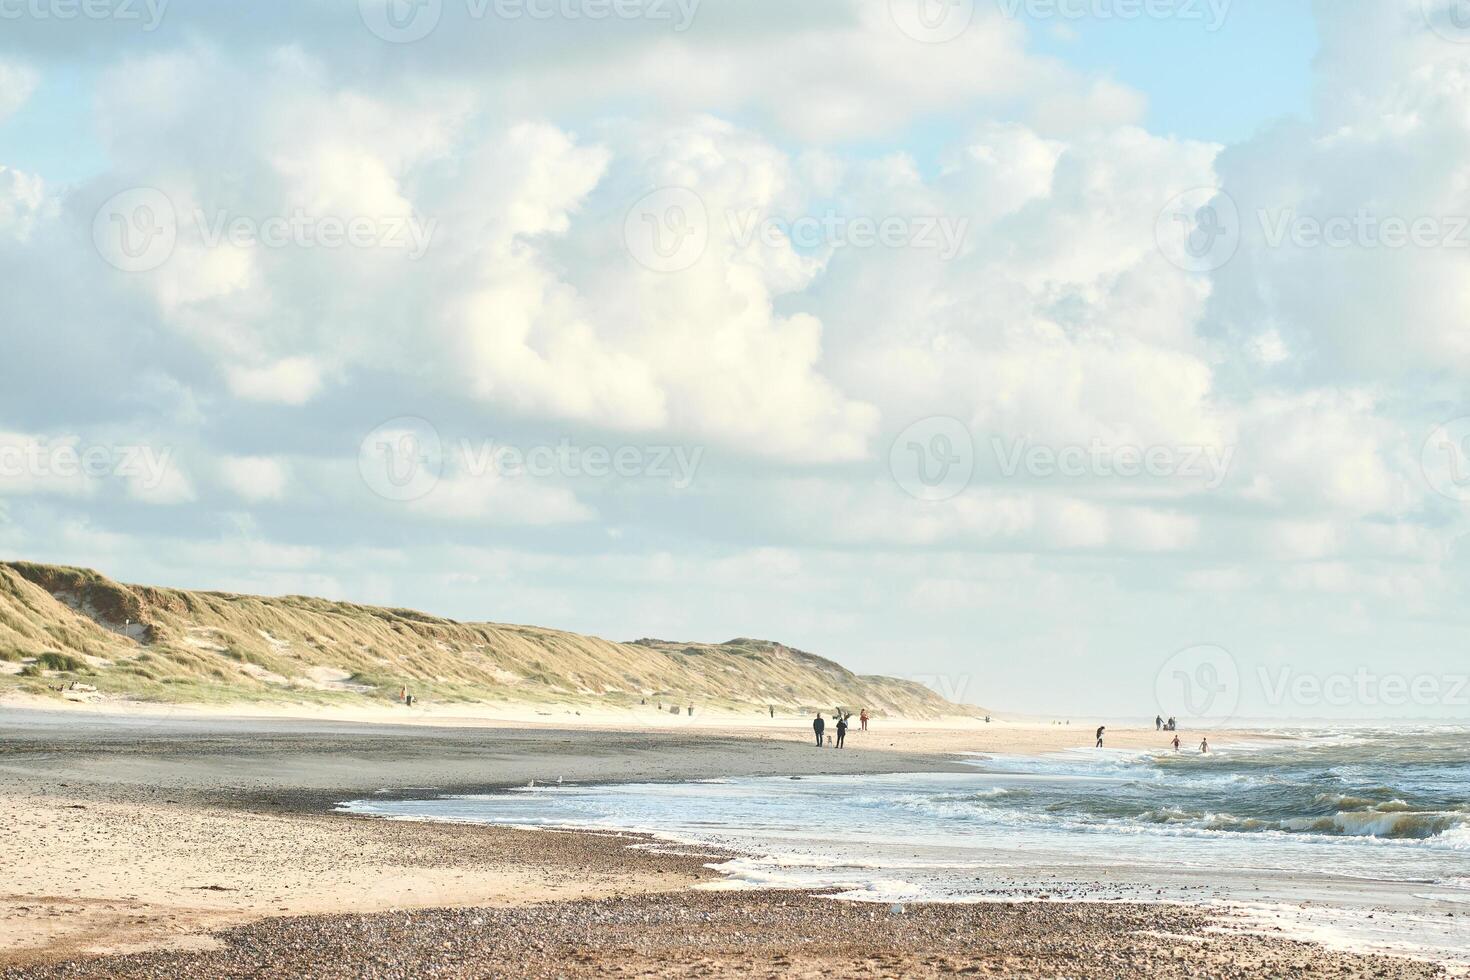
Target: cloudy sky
(1044, 350)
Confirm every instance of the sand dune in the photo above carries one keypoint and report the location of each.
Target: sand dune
(60, 626)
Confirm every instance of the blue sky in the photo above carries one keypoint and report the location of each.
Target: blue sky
(1218, 86)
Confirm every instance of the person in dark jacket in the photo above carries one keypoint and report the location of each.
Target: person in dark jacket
(819, 726)
(841, 729)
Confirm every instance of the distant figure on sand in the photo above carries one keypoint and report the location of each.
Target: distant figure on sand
(841, 730)
(819, 726)
(1101, 729)
(1159, 723)
(1176, 743)
(863, 718)
(1204, 746)
(773, 711)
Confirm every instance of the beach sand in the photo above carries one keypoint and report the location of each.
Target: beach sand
(206, 846)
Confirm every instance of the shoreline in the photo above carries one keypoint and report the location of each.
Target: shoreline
(178, 843)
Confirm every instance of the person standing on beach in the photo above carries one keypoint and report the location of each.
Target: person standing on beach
(1158, 723)
(819, 726)
(863, 718)
(1100, 730)
(841, 730)
(1176, 743)
(1204, 746)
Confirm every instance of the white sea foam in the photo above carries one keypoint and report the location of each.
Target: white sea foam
(1337, 822)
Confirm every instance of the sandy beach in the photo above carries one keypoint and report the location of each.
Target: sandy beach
(207, 846)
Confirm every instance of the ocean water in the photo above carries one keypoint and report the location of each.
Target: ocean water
(1360, 839)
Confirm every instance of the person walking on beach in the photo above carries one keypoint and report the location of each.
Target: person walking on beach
(1176, 743)
(841, 730)
(819, 726)
(863, 718)
(1204, 746)
(1101, 729)
(1158, 723)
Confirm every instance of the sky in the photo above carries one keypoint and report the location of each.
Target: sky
(1072, 357)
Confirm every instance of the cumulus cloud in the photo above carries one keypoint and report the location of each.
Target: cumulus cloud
(623, 234)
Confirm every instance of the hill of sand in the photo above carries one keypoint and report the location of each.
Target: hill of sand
(72, 633)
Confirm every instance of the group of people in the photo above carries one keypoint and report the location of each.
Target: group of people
(819, 725)
(1173, 726)
(1160, 724)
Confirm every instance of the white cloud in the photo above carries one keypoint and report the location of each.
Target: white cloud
(17, 83)
(290, 381)
(256, 478)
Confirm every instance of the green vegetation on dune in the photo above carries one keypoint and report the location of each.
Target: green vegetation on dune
(63, 625)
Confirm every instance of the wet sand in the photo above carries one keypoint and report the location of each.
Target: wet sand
(206, 847)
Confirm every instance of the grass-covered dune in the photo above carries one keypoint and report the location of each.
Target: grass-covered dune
(64, 626)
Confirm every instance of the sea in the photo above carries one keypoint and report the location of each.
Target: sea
(1356, 838)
